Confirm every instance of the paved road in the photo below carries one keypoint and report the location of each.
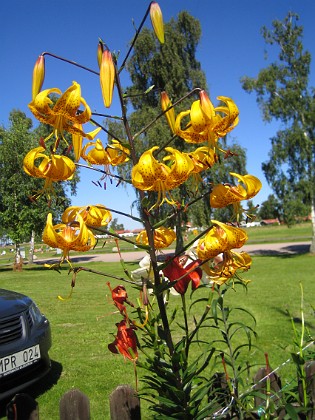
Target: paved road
(257, 249)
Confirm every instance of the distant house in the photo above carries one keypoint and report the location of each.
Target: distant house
(128, 233)
(266, 222)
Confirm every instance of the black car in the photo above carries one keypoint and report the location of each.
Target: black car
(25, 339)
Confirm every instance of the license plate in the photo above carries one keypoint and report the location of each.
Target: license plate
(19, 360)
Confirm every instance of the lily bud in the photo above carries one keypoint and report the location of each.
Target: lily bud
(100, 50)
(107, 77)
(157, 21)
(206, 105)
(38, 76)
(170, 115)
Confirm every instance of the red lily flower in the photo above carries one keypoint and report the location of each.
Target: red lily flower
(119, 296)
(176, 270)
(125, 342)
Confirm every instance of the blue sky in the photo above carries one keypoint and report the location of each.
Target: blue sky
(231, 47)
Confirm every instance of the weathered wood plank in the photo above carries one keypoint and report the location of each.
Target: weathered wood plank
(124, 404)
(74, 405)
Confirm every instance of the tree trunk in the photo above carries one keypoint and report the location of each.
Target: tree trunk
(32, 245)
(17, 254)
(312, 247)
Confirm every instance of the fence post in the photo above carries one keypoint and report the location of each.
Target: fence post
(124, 404)
(260, 380)
(309, 368)
(74, 405)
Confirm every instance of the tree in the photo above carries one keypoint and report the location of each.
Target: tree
(19, 215)
(284, 94)
(270, 208)
(114, 225)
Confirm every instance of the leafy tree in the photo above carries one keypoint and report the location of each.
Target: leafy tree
(19, 215)
(114, 225)
(284, 94)
(270, 209)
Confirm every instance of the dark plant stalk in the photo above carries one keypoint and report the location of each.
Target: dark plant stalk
(100, 273)
(71, 62)
(148, 227)
(103, 171)
(138, 30)
(186, 327)
(234, 384)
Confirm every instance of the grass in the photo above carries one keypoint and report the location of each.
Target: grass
(83, 326)
(282, 233)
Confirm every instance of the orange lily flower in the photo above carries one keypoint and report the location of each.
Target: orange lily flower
(125, 342)
(224, 194)
(219, 239)
(94, 216)
(163, 237)
(183, 274)
(120, 297)
(74, 236)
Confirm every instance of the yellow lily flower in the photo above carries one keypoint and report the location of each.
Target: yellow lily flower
(231, 262)
(224, 194)
(195, 132)
(113, 154)
(219, 239)
(99, 54)
(52, 168)
(77, 140)
(203, 158)
(95, 216)
(151, 175)
(163, 237)
(107, 77)
(220, 125)
(63, 116)
(38, 76)
(170, 114)
(74, 236)
(206, 122)
(157, 21)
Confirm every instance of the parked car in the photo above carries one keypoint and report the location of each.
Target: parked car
(25, 339)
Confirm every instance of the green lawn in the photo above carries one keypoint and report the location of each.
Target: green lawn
(83, 326)
(282, 233)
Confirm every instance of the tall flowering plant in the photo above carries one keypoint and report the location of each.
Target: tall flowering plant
(176, 349)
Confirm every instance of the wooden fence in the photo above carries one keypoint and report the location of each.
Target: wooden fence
(125, 404)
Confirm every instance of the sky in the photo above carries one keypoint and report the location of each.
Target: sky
(231, 46)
